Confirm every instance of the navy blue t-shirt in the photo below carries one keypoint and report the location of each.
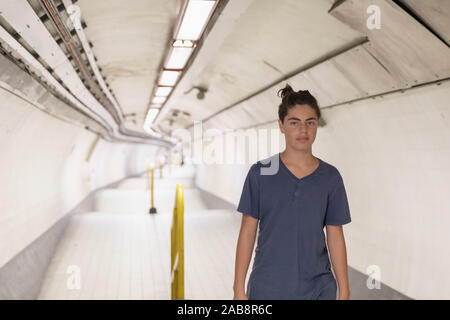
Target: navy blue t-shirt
(291, 258)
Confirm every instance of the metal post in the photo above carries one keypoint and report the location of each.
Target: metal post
(177, 246)
(152, 206)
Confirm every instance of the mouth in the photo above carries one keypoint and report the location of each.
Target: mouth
(302, 139)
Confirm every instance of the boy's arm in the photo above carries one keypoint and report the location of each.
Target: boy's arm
(244, 250)
(338, 255)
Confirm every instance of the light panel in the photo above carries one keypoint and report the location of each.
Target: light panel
(178, 57)
(152, 113)
(163, 91)
(194, 19)
(159, 99)
(169, 78)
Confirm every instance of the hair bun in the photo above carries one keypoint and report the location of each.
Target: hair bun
(286, 91)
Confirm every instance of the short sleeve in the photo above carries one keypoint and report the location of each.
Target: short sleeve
(338, 211)
(249, 202)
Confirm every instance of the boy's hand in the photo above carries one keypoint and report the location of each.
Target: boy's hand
(240, 295)
(344, 295)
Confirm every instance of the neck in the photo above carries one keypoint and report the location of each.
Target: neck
(300, 157)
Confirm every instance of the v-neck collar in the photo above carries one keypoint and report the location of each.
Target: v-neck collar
(293, 175)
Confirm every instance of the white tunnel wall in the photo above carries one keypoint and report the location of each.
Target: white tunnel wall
(393, 153)
(44, 171)
(114, 161)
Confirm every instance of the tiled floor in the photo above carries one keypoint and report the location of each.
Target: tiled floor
(120, 251)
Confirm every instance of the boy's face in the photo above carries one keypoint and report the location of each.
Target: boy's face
(300, 122)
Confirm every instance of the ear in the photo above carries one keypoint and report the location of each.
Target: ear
(280, 125)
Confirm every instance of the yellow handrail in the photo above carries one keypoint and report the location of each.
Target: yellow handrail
(152, 205)
(177, 246)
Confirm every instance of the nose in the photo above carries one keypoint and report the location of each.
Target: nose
(302, 127)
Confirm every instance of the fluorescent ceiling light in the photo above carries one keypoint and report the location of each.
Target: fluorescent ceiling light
(194, 19)
(151, 115)
(178, 57)
(163, 91)
(158, 99)
(169, 78)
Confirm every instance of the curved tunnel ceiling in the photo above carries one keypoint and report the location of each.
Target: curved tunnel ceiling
(44, 40)
(251, 55)
(130, 39)
(341, 61)
(250, 49)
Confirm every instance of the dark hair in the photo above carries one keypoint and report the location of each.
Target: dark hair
(290, 98)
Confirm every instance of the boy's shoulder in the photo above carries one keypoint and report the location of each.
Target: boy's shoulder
(266, 166)
(329, 168)
(267, 162)
(331, 173)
